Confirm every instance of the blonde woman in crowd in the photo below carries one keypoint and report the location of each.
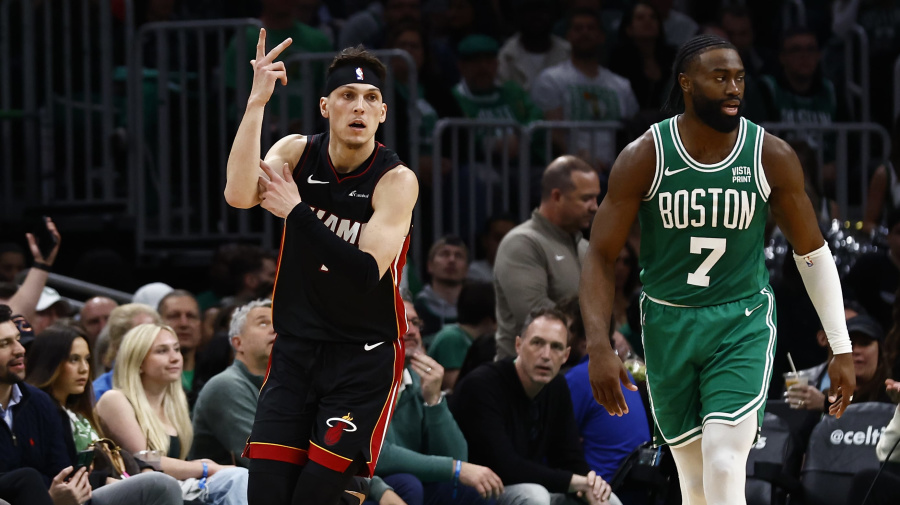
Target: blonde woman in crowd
(147, 410)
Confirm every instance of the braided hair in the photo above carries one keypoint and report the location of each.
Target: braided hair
(687, 53)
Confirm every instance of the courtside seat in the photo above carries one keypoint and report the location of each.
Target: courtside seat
(773, 466)
(839, 448)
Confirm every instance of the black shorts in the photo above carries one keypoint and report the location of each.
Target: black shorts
(327, 402)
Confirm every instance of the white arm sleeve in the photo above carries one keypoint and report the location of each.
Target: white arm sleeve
(820, 276)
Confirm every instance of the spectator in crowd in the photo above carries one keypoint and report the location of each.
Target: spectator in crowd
(867, 337)
(95, 314)
(151, 294)
(738, 25)
(223, 416)
(517, 417)
(884, 187)
(539, 262)
(121, 320)
(32, 415)
(481, 96)
(179, 309)
(642, 55)
(59, 365)
(495, 228)
(239, 273)
(28, 296)
(677, 26)
(279, 18)
(812, 395)
(800, 93)
(881, 487)
(148, 411)
(424, 447)
(370, 26)
(50, 308)
(607, 439)
(23, 485)
(431, 97)
(477, 317)
(12, 261)
(581, 89)
(875, 276)
(533, 47)
(448, 261)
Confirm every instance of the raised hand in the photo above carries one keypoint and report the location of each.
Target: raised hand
(432, 374)
(266, 71)
(36, 251)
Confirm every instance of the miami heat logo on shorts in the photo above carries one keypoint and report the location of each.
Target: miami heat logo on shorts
(337, 426)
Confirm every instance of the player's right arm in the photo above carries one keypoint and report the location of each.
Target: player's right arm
(631, 177)
(243, 170)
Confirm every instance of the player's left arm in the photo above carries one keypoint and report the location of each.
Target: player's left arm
(795, 216)
(393, 200)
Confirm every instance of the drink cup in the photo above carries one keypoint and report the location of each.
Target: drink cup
(793, 380)
(152, 458)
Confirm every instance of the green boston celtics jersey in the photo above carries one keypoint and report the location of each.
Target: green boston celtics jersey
(702, 225)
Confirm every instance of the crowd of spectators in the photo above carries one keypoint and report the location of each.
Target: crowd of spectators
(495, 405)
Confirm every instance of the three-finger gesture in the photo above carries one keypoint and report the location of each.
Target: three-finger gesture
(36, 250)
(278, 194)
(266, 71)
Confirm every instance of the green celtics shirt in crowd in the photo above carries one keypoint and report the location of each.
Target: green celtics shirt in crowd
(702, 225)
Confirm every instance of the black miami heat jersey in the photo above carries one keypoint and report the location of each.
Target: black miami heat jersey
(310, 300)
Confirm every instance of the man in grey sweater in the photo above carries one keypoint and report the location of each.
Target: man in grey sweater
(226, 406)
(539, 262)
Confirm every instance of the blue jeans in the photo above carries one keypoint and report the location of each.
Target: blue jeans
(414, 492)
(228, 487)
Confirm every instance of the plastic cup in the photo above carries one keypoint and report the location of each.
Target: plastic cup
(152, 458)
(791, 380)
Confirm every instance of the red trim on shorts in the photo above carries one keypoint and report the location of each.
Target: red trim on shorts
(387, 411)
(275, 452)
(328, 459)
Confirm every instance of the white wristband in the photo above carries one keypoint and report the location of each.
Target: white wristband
(823, 284)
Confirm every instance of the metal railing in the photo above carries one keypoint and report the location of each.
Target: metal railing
(496, 166)
(59, 105)
(481, 177)
(856, 72)
(182, 122)
(853, 144)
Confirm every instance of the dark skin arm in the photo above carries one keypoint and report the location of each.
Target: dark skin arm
(795, 216)
(629, 180)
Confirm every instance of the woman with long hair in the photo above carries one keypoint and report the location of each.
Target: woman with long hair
(148, 410)
(59, 364)
(642, 55)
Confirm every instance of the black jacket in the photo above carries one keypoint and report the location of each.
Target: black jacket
(37, 439)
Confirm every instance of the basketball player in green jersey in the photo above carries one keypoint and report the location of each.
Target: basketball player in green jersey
(702, 183)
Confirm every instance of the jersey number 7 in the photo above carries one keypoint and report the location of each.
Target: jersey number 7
(698, 244)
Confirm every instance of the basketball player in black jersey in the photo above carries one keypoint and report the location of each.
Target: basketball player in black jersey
(347, 203)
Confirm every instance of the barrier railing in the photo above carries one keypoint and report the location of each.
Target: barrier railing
(856, 68)
(58, 104)
(850, 139)
(484, 171)
(182, 117)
